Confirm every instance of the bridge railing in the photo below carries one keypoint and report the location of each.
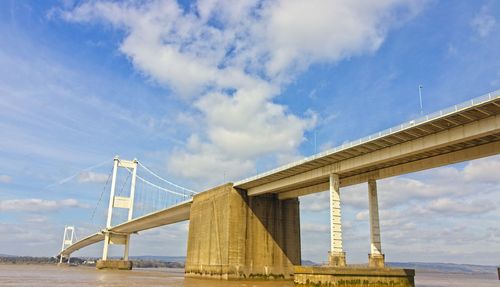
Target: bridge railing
(420, 120)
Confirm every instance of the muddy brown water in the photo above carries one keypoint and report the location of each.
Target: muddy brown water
(50, 275)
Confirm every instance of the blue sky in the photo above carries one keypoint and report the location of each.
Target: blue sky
(204, 92)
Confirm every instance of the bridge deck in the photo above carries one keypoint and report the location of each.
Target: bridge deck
(311, 174)
(170, 215)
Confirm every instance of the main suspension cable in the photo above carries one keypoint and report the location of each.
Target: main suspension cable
(100, 197)
(156, 186)
(164, 180)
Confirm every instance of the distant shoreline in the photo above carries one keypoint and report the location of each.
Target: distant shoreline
(90, 262)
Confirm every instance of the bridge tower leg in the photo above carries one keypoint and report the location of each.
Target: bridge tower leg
(69, 235)
(376, 258)
(110, 210)
(118, 202)
(337, 254)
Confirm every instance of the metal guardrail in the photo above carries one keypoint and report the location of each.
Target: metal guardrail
(406, 125)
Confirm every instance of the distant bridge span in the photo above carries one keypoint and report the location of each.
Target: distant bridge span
(170, 215)
(228, 224)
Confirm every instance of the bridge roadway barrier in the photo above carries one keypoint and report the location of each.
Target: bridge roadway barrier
(233, 236)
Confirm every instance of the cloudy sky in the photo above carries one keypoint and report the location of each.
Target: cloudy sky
(209, 91)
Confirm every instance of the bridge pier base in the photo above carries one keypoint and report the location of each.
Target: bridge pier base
(306, 276)
(337, 259)
(114, 264)
(233, 236)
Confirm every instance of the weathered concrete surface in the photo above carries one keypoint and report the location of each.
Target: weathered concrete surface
(114, 264)
(337, 259)
(232, 236)
(353, 277)
(376, 260)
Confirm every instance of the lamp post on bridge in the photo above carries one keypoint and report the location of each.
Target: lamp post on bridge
(420, 87)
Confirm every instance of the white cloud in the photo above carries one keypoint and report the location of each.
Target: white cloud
(36, 219)
(5, 178)
(484, 170)
(207, 160)
(241, 128)
(298, 33)
(315, 227)
(30, 238)
(37, 205)
(230, 60)
(483, 22)
(455, 207)
(316, 202)
(92, 177)
(362, 215)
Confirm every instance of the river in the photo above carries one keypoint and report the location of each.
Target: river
(51, 275)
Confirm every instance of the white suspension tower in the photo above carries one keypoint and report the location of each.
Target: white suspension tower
(120, 202)
(68, 237)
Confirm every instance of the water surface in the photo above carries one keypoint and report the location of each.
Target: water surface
(51, 275)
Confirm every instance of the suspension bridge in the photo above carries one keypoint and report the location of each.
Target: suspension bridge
(251, 228)
(156, 206)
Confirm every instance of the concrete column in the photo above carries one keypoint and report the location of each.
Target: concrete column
(112, 193)
(71, 240)
(126, 249)
(132, 191)
(106, 246)
(337, 254)
(110, 209)
(63, 243)
(376, 258)
(130, 210)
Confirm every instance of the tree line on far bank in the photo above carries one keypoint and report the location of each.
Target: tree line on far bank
(140, 263)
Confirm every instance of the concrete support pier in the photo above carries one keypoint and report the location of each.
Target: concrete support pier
(233, 236)
(306, 276)
(375, 259)
(336, 256)
(114, 264)
(338, 273)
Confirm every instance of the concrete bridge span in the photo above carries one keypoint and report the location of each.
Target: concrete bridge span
(461, 134)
